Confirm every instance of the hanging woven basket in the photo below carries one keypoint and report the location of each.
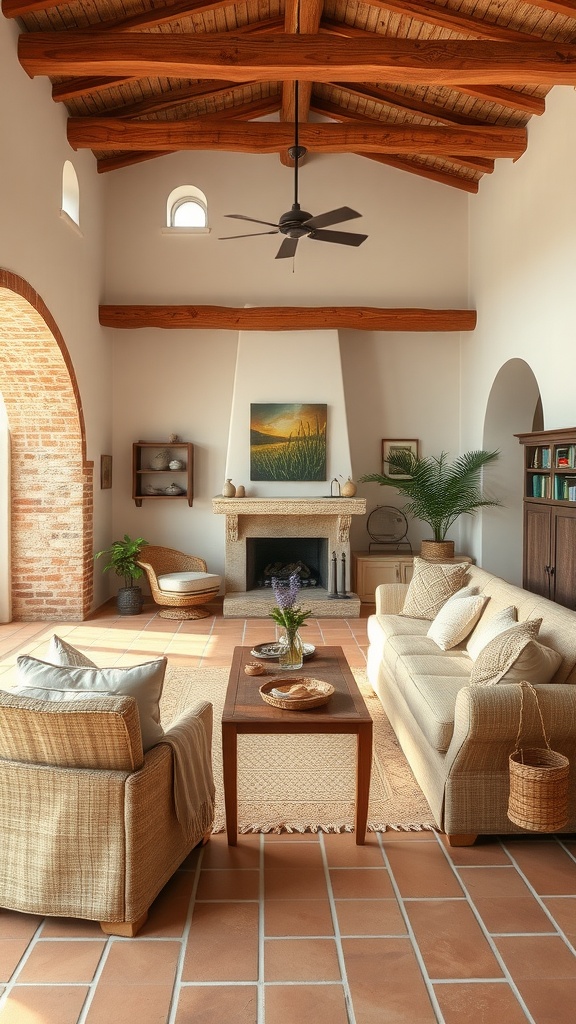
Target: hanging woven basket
(538, 798)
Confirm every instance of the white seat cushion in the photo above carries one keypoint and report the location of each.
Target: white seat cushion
(188, 582)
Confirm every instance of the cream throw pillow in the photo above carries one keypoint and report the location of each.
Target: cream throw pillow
(144, 682)
(487, 629)
(431, 586)
(498, 657)
(62, 653)
(456, 618)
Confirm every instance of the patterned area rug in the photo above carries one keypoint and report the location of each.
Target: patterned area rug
(303, 783)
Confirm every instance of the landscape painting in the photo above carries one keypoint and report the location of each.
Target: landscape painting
(287, 442)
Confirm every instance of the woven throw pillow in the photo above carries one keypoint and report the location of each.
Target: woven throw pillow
(54, 682)
(536, 663)
(431, 586)
(502, 652)
(456, 619)
(487, 629)
(62, 653)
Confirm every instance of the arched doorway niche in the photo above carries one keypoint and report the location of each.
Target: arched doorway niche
(50, 480)
(514, 406)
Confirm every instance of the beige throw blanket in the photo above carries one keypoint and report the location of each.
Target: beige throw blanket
(194, 789)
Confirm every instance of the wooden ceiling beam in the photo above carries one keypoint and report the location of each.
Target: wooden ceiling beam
(455, 21)
(178, 97)
(286, 318)
(256, 108)
(565, 7)
(102, 134)
(408, 104)
(508, 98)
(424, 171)
(318, 58)
(182, 9)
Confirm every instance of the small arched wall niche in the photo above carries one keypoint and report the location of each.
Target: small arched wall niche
(187, 207)
(70, 192)
(514, 405)
(50, 482)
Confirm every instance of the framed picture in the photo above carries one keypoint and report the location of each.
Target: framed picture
(105, 472)
(391, 446)
(288, 441)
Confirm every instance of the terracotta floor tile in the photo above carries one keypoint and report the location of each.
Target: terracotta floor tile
(127, 1003)
(217, 853)
(361, 883)
(293, 837)
(293, 856)
(306, 1004)
(563, 910)
(59, 962)
(343, 852)
(451, 940)
(547, 867)
(167, 915)
(534, 956)
(18, 926)
(486, 850)
(70, 928)
(297, 917)
(43, 1004)
(301, 960)
(421, 870)
(392, 835)
(483, 1003)
(228, 884)
(308, 883)
(216, 1004)
(370, 917)
(493, 882)
(223, 943)
(150, 962)
(385, 982)
(513, 914)
(550, 1001)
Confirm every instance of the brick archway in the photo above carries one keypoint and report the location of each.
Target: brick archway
(51, 480)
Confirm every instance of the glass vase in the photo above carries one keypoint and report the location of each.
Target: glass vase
(291, 650)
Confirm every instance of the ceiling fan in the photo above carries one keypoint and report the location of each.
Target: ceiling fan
(297, 223)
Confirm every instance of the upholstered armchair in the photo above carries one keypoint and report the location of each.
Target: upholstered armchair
(179, 583)
(89, 824)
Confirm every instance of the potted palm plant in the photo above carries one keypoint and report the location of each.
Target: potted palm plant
(123, 560)
(438, 492)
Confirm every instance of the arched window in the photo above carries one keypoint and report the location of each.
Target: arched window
(70, 193)
(187, 207)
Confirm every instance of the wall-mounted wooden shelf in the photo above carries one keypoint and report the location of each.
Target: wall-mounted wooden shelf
(150, 482)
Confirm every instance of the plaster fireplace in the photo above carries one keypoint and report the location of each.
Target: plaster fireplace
(323, 521)
(300, 516)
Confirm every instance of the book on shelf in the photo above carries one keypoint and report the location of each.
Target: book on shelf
(540, 458)
(565, 456)
(539, 485)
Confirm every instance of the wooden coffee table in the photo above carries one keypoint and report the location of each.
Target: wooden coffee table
(345, 712)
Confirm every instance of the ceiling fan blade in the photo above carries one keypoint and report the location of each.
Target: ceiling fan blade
(342, 237)
(253, 234)
(332, 217)
(287, 249)
(240, 216)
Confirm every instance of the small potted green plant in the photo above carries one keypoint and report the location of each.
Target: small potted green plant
(123, 560)
(438, 492)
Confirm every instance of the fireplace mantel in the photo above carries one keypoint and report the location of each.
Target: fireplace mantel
(310, 516)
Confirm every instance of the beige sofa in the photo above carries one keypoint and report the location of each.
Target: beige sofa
(458, 737)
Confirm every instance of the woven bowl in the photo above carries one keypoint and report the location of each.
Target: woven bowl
(254, 668)
(320, 693)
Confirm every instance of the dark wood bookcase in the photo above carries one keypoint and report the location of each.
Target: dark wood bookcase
(151, 483)
(550, 514)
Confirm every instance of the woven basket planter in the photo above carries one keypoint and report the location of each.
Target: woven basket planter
(538, 798)
(437, 550)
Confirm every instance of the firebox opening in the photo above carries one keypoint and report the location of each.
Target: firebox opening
(278, 556)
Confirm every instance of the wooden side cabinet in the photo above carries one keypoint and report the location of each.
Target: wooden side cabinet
(370, 570)
(152, 476)
(549, 562)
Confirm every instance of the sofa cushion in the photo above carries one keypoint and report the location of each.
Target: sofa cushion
(502, 652)
(62, 653)
(456, 618)
(144, 682)
(431, 586)
(488, 628)
(188, 582)
(431, 698)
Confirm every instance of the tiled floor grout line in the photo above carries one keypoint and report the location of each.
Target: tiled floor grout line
(495, 951)
(93, 983)
(13, 981)
(540, 900)
(177, 986)
(410, 934)
(261, 992)
(351, 1016)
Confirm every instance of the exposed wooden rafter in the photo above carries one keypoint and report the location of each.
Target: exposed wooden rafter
(319, 58)
(287, 318)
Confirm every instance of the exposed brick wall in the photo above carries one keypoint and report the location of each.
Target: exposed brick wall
(51, 480)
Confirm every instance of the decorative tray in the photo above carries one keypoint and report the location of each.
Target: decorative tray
(271, 651)
(300, 694)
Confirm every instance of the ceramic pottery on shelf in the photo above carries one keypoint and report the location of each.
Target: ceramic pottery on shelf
(161, 460)
(228, 491)
(348, 489)
(173, 489)
(176, 464)
(240, 491)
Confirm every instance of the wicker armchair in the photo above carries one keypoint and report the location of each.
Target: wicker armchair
(179, 583)
(88, 822)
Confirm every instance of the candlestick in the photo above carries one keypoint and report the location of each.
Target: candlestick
(333, 581)
(343, 590)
